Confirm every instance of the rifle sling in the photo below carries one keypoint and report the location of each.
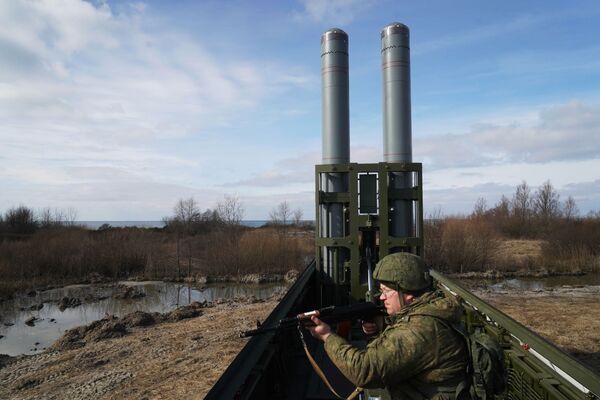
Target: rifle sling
(321, 374)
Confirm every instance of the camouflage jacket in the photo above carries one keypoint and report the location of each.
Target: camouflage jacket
(416, 357)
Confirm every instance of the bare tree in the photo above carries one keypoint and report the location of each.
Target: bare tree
(480, 208)
(521, 202)
(186, 215)
(593, 214)
(570, 209)
(502, 208)
(59, 217)
(231, 210)
(45, 218)
(186, 212)
(70, 216)
(546, 203)
(297, 216)
(281, 214)
(48, 218)
(20, 220)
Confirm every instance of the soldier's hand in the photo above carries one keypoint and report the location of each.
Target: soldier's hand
(370, 328)
(321, 330)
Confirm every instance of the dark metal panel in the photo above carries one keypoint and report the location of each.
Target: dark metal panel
(248, 368)
(368, 194)
(333, 197)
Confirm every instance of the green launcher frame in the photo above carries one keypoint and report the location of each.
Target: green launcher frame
(368, 207)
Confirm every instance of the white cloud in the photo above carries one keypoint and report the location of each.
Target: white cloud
(566, 132)
(585, 194)
(557, 143)
(263, 205)
(88, 95)
(299, 170)
(295, 171)
(461, 199)
(339, 12)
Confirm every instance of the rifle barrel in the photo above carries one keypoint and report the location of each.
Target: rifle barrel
(329, 314)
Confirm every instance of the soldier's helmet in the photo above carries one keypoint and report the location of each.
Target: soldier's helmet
(404, 271)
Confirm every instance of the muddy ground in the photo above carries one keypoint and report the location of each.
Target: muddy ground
(143, 356)
(181, 354)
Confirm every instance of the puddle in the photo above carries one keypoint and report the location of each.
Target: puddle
(534, 284)
(97, 302)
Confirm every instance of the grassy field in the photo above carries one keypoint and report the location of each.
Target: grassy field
(568, 318)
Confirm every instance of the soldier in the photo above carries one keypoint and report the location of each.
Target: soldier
(418, 355)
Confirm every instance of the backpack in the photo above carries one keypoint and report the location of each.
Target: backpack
(487, 374)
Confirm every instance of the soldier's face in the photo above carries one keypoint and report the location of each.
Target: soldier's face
(391, 299)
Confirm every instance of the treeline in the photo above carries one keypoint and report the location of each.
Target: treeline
(193, 244)
(22, 220)
(492, 238)
(215, 242)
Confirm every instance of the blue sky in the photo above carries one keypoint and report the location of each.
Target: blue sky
(118, 109)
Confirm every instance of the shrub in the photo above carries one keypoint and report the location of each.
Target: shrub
(460, 244)
(573, 246)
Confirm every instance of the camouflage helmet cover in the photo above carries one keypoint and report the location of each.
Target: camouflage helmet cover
(405, 270)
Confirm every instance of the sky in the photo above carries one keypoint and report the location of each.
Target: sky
(117, 109)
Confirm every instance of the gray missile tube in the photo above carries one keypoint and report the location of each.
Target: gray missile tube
(335, 97)
(335, 134)
(397, 129)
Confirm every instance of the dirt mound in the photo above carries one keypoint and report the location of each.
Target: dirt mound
(190, 311)
(113, 327)
(5, 359)
(68, 302)
(260, 278)
(105, 328)
(139, 318)
(291, 276)
(95, 277)
(129, 292)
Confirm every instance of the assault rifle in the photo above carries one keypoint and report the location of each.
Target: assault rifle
(365, 311)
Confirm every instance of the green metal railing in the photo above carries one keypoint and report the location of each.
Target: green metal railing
(536, 369)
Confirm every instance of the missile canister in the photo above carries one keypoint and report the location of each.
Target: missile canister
(397, 135)
(336, 140)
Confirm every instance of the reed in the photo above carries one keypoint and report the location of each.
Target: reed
(71, 254)
(481, 243)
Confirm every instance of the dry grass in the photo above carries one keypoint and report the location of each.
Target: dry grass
(265, 250)
(519, 248)
(569, 321)
(518, 254)
(61, 256)
(481, 243)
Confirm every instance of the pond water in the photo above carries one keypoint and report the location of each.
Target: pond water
(16, 337)
(533, 284)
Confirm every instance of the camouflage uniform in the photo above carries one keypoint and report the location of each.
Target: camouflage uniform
(416, 357)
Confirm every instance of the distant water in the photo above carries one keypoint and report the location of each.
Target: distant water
(153, 224)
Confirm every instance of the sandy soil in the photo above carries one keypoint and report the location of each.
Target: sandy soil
(167, 360)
